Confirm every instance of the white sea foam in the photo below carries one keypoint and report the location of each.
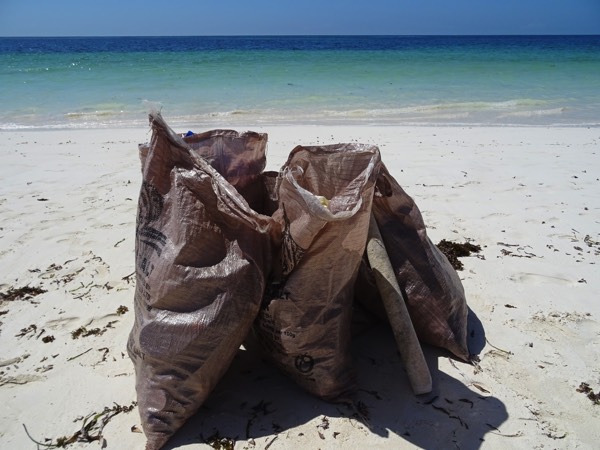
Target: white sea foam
(92, 114)
(534, 113)
(237, 112)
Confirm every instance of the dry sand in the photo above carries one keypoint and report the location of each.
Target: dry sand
(529, 196)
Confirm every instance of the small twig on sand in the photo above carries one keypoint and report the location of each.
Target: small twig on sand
(495, 430)
(36, 442)
(127, 277)
(499, 349)
(271, 443)
(77, 356)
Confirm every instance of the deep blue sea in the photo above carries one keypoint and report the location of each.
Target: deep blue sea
(227, 81)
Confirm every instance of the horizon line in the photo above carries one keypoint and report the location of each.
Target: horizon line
(295, 35)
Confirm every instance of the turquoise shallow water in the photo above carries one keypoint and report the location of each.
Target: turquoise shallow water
(105, 82)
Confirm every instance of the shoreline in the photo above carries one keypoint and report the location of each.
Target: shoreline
(232, 122)
(529, 198)
(262, 124)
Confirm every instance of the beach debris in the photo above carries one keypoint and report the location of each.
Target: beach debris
(561, 317)
(30, 330)
(453, 251)
(48, 339)
(122, 310)
(554, 435)
(481, 387)
(218, 442)
(495, 430)
(22, 293)
(51, 271)
(521, 252)
(506, 352)
(595, 245)
(82, 286)
(70, 276)
(105, 352)
(271, 442)
(585, 388)
(324, 425)
(80, 354)
(590, 242)
(91, 429)
(43, 369)
(127, 278)
(84, 332)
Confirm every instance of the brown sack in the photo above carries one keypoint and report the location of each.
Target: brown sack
(240, 158)
(325, 195)
(431, 287)
(202, 257)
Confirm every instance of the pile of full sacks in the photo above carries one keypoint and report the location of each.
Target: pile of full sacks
(224, 249)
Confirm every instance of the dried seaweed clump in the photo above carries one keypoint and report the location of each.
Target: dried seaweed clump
(84, 332)
(453, 251)
(220, 443)
(22, 293)
(587, 390)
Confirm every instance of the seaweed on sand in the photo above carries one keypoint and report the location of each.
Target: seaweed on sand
(22, 293)
(585, 388)
(453, 251)
(91, 429)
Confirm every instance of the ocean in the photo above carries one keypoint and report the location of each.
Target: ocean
(104, 82)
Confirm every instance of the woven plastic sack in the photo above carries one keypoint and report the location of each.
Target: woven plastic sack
(202, 257)
(433, 292)
(325, 195)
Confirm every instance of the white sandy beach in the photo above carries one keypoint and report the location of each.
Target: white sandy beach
(530, 197)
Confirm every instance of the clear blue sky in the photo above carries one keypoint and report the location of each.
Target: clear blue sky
(263, 17)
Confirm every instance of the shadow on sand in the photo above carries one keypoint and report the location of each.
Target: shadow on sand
(254, 401)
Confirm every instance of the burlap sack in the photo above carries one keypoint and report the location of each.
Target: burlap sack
(432, 290)
(325, 196)
(202, 257)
